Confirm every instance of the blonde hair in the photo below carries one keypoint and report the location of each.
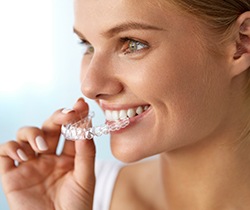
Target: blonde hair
(220, 15)
(219, 12)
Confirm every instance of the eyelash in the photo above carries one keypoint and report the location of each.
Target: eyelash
(130, 42)
(89, 48)
(126, 44)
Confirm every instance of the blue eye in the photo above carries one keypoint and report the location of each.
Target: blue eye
(87, 47)
(132, 46)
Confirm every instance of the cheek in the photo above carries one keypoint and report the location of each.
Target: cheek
(169, 75)
(196, 97)
(189, 91)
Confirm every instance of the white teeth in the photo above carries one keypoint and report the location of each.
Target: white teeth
(115, 115)
(122, 114)
(131, 113)
(139, 110)
(108, 115)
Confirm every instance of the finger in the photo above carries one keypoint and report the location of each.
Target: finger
(9, 152)
(84, 163)
(28, 150)
(52, 127)
(65, 116)
(81, 108)
(35, 137)
(68, 148)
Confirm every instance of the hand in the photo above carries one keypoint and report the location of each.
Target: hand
(43, 180)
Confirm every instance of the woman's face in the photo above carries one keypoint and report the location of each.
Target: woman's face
(141, 56)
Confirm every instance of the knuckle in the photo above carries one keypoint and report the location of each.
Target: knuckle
(28, 130)
(7, 147)
(11, 144)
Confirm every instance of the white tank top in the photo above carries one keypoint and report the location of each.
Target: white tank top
(106, 174)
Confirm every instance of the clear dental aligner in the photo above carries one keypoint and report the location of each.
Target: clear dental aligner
(82, 129)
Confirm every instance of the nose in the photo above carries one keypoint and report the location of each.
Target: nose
(98, 78)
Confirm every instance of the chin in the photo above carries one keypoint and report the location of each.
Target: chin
(125, 158)
(128, 153)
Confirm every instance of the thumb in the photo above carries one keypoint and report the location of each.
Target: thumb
(85, 164)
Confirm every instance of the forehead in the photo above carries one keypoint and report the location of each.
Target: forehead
(115, 7)
(102, 14)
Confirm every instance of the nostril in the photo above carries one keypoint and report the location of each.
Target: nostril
(94, 89)
(99, 95)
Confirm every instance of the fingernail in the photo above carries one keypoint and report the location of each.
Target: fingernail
(41, 144)
(66, 111)
(22, 155)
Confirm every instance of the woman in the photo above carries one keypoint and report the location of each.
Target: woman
(183, 67)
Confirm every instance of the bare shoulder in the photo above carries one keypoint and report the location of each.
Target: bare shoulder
(135, 185)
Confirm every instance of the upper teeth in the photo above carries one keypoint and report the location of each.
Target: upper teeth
(118, 115)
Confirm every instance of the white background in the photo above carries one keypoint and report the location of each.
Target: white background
(39, 67)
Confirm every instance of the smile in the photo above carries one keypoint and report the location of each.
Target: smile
(122, 114)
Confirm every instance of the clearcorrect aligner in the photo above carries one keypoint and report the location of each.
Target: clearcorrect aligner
(82, 129)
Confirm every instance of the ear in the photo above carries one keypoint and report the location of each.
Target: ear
(241, 56)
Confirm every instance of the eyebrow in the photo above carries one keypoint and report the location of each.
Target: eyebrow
(130, 26)
(78, 33)
(124, 27)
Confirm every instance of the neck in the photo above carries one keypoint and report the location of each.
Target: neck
(209, 175)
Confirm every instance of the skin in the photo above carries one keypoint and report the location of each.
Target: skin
(197, 112)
